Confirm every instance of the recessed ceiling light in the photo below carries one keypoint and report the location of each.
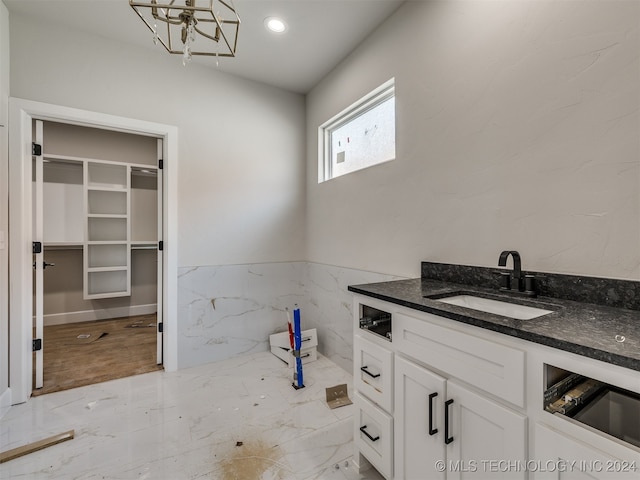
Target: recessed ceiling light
(275, 24)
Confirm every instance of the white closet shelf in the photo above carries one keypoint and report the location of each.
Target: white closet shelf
(107, 242)
(107, 215)
(97, 296)
(118, 268)
(106, 187)
(61, 159)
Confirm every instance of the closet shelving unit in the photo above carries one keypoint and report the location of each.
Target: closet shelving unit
(107, 224)
(107, 247)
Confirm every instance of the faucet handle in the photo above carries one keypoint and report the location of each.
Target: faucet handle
(505, 281)
(530, 285)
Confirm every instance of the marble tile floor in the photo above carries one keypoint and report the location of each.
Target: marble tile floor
(189, 424)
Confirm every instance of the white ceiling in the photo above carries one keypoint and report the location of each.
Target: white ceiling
(321, 33)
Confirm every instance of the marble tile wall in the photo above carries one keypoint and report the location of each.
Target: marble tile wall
(227, 311)
(328, 307)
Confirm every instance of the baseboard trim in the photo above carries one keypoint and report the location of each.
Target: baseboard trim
(99, 314)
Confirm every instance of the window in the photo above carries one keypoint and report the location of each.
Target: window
(361, 136)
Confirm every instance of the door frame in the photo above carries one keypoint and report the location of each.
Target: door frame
(21, 115)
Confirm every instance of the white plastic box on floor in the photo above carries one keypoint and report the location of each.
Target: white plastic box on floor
(281, 346)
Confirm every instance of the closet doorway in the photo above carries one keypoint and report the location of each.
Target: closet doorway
(97, 224)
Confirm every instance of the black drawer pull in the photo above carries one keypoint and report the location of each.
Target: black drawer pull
(432, 431)
(362, 429)
(305, 355)
(307, 339)
(447, 438)
(364, 369)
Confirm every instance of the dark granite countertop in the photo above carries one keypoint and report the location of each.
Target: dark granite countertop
(588, 329)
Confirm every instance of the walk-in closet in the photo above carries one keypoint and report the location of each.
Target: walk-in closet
(97, 201)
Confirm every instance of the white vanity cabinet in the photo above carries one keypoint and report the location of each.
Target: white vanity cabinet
(444, 429)
(472, 403)
(427, 399)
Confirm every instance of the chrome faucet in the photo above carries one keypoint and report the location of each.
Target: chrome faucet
(517, 270)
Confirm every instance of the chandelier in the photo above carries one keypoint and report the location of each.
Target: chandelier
(191, 27)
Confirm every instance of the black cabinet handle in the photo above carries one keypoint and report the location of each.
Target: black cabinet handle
(363, 430)
(364, 369)
(447, 438)
(432, 431)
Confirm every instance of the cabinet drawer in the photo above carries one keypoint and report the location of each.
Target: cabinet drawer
(491, 366)
(373, 435)
(373, 372)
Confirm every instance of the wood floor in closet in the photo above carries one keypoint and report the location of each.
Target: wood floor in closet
(114, 348)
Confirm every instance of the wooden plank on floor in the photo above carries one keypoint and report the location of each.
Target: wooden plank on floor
(35, 446)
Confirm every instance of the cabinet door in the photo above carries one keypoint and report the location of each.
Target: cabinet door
(562, 457)
(485, 438)
(419, 432)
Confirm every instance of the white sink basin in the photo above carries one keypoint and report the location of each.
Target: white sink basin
(506, 309)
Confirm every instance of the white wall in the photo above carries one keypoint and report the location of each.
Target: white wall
(241, 187)
(517, 128)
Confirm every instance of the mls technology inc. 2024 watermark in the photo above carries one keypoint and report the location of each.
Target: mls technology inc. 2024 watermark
(506, 466)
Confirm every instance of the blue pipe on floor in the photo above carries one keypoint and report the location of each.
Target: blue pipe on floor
(297, 338)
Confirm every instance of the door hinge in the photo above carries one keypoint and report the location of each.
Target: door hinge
(36, 149)
(36, 344)
(160, 245)
(160, 327)
(160, 164)
(37, 247)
